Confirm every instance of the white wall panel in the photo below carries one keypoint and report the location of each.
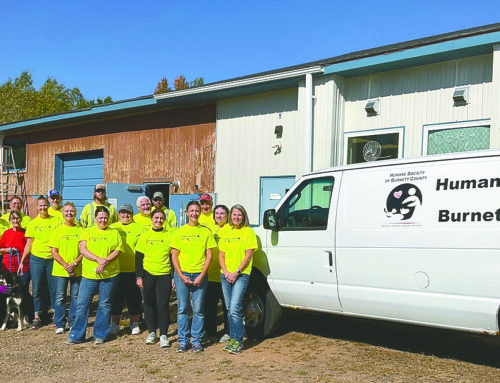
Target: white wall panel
(420, 95)
(245, 140)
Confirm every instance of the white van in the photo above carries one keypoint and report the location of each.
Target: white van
(415, 241)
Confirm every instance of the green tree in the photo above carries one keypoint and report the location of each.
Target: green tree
(19, 100)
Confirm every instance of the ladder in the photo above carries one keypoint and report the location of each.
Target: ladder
(11, 180)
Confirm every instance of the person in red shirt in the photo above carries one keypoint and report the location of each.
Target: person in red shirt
(12, 245)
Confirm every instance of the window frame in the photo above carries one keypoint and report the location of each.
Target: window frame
(427, 128)
(374, 132)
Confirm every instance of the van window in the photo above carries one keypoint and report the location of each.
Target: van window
(308, 206)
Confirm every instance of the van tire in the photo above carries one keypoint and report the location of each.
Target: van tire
(261, 311)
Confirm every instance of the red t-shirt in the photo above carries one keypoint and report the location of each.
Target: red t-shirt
(16, 239)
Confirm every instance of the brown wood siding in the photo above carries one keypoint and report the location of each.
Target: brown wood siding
(169, 145)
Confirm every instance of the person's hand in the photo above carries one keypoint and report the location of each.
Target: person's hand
(198, 281)
(138, 281)
(5, 289)
(69, 268)
(99, 269)
(231, 277)
(101, 261)
(186, 280)
(20, 269)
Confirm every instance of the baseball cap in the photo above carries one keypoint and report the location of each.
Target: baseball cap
(158, 195)
(126, 207)
(54, 192)
(100, 186)
(206, 197)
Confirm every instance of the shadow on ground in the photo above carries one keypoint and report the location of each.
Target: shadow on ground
(467, 347)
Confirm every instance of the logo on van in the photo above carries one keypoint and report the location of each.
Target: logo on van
(402, 202)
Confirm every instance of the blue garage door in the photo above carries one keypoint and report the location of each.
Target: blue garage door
(80, 174)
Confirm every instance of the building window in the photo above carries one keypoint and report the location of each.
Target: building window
(19, 150)
(456, 137)
(370, 146)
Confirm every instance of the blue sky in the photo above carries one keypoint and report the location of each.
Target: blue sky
(123, 48)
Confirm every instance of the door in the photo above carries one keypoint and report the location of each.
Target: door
(272, 190)
(77, 175)
(301, 253)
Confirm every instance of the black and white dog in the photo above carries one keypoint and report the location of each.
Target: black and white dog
(19, 302)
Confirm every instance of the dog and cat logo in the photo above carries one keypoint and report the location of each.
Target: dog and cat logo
(402, 202)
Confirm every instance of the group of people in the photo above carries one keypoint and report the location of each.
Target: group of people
(134, 258)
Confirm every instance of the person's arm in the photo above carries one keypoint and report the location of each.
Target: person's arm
(111, 256)
(248, 256)
(222, 263)
(139, 268)
(177, 267)
(26, 253)
(88, 254)
(199, 280)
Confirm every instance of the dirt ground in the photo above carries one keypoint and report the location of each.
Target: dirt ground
(308, 348)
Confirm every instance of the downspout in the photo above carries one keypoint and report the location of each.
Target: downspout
(308, 125)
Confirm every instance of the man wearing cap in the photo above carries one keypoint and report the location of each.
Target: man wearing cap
(130, 232)
(206, 216)
(16, 203)
(55, 200)
(88, 212)
(144, 216)
(159, 202)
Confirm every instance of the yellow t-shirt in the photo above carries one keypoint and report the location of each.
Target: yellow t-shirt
(24, 223)
(130, 234)
(171, 217)
(40, 229)
(144, 220)
(233, 242)
(192, 241)
(4, 226)
(155, 245)
(87, 217)
(66, 240)
(55, 213)
(214, 268)
(208, 221)
(101, 243)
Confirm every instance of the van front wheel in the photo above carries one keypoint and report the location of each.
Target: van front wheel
(261, 311)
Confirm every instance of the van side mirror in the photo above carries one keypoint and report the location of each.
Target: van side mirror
(270, 222)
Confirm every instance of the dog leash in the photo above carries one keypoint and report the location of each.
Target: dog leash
(13, 253)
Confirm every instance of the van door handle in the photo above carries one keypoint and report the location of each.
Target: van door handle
(330, 258)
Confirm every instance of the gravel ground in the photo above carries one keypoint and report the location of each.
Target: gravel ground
(308, 348)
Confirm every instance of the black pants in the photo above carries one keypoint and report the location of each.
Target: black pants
(157, 289)
(127, 288)
(212, 297)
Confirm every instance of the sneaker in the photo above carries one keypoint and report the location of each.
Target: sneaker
(228, 345)
(37, 323)
(183, 347)
(98, 341)
(164, 343)
(225, 338)
(151, 339)
(71, 341)
(197, 348)
(114, 328)
(236, 348)
(135, 328)
(60, 330)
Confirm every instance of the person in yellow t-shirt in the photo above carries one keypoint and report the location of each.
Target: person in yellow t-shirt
(206, 216)
(154, 276)
(159, 202)
(236, 247)
(55, 200)
(214, 289)
(130, 232)
(192, 246)
(67, 267)
(16, 203)
(100, 246)
(41, 261)
(99, 199)
(144, 216)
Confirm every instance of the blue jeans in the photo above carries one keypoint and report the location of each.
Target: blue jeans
(233, 295)
(44, 292)
(88, 289)
(183, 303)
(60, 309)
